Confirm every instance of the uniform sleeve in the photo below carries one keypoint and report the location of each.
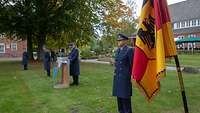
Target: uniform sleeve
(47, 57)
(130, 56)
(73, 55)
(27, 55)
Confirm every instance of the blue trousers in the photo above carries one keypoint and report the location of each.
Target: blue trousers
(124, 105)
(47, 67)
(48, 72)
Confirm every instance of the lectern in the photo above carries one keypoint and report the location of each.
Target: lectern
(63, 63)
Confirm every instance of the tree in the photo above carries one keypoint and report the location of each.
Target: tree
(114, 18)
(41, 18)
(57, 22)
(130, 21)
(17, 19)
(119, 18)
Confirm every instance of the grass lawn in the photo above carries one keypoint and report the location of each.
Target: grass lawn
(187, 60)
(31, 92)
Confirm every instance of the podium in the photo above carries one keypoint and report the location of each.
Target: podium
(63, 63)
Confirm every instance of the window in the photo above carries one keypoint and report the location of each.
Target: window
(190, 23)
(177, 25)
(14, 46)
(182, 24)
(192, 35)
(187, 23)
(193, 22)
(198, 22)
(180, 37)
(194, 45)
(190, 45)
(180, 46)
(2, 48)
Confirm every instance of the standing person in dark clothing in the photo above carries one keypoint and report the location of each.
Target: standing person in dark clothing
(122, 87)
(74, 64)
(25, 59)
(47, 60)
(53, 56)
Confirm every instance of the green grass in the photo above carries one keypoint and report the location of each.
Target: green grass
(31, 92)
(187, 60)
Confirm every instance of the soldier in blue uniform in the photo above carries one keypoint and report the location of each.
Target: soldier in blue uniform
(74, 64)
(47, 60)
(25, 59)
(122, 87)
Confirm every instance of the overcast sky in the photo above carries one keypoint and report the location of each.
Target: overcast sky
(139, 4)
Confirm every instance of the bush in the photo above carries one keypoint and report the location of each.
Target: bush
(87, 54)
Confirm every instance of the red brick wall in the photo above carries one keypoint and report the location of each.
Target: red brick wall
(186, 34)
(21, 44)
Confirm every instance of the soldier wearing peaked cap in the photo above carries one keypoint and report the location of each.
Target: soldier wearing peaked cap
(74, 64)
(122, 87)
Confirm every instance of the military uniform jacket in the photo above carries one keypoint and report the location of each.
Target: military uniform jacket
(47, 60)
(122, 86)
(25, 58)
(74, 62)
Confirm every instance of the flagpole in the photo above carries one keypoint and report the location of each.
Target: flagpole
(178, 68)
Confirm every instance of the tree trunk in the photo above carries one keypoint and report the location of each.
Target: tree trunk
(30, 46)
(42, 38)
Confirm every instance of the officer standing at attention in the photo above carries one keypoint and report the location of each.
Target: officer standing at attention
(25, 59)
(46, 60)
(74, 64)
(122, 87)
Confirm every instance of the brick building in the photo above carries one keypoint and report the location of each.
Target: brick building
(185, 17)
(11, 48)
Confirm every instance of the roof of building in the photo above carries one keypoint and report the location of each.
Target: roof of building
(188, 40)
(187, 30)
(185, 10)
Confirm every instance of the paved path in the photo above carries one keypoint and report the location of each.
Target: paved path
(88, 60)
(10, 59)
(95, 61)
(102, 62)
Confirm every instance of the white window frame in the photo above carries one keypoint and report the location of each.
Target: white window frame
(182, 24)
(192, 35)
(12, 49)
(194, 23)
(175, 26)
(181, 37)
(188, 23)
(4, 50)
(191, 23)
(178, 26)
(194, 45)
(182, 44)
(198, 22)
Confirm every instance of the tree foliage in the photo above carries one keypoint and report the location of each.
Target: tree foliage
(58, 22)
(119, 18)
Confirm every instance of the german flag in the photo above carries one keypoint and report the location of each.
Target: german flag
(154, 43)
